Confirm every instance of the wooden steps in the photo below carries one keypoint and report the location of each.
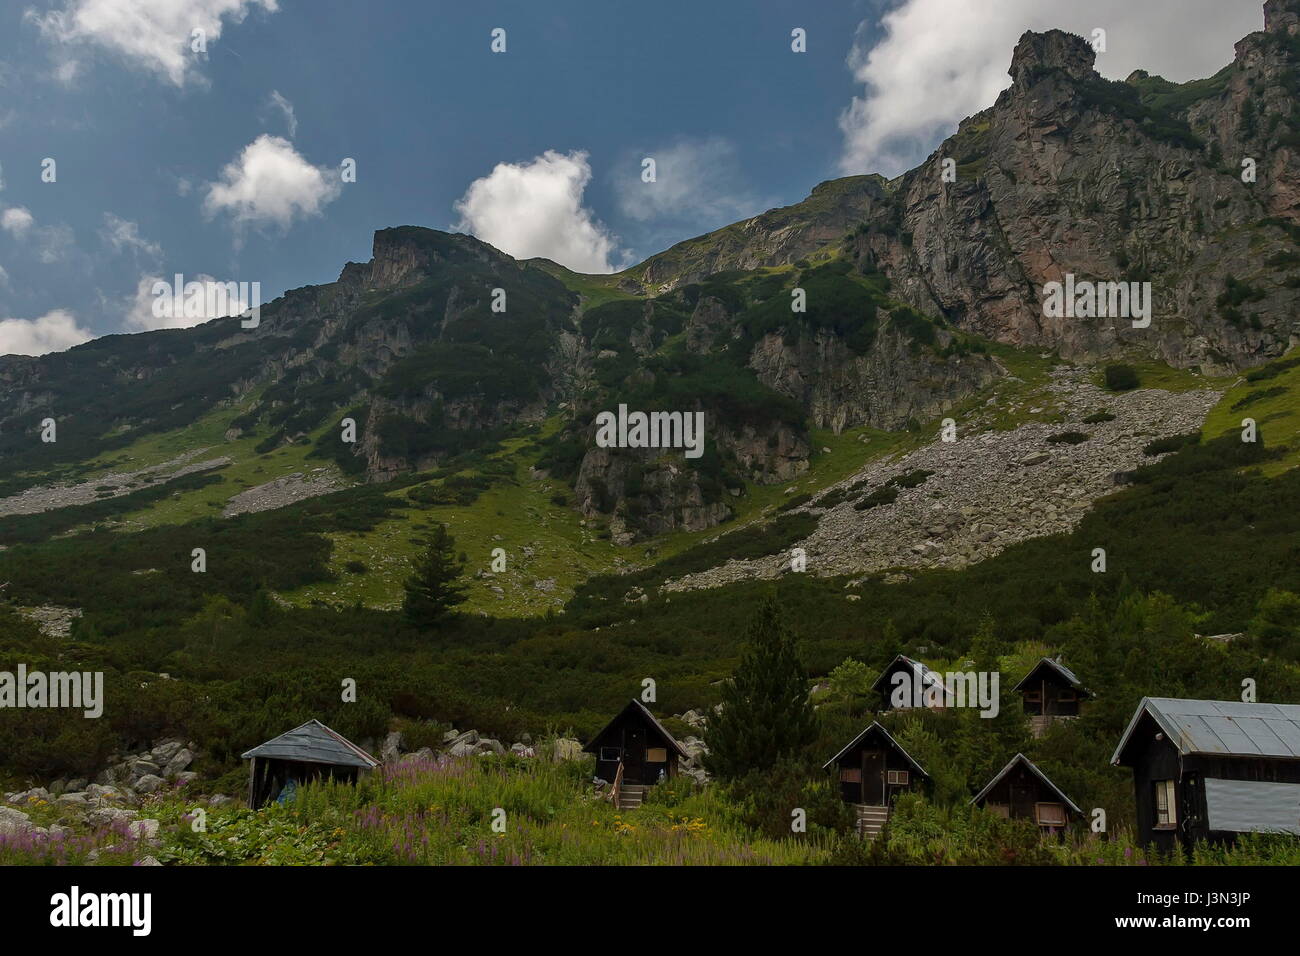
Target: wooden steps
(630, 796)
(870, 820)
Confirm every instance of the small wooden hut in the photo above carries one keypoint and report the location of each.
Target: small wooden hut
(873, 770)
(639, 744)
(1211, 769)
(1050, 692)
(308, 752)
(908, 683)
(1020, 791)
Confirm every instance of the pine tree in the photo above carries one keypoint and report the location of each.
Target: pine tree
(766, 713)
(435, 587)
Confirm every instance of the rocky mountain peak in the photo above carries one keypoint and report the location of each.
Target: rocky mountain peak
(1053, 50)
(404, 255)
(1282, 17)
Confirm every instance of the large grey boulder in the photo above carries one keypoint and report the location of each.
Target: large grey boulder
(566, 748)
(181, 760)
(14, 821)
(392, 748)
(149, 783)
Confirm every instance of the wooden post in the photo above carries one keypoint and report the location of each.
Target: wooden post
(252, 782)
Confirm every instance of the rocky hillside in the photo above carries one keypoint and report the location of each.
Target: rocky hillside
(871, 303)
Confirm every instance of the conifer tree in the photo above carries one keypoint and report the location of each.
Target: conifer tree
(435, 588)
(766, 713)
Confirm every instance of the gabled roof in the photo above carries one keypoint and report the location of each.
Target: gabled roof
(638, 709)
(1057, 668)
(313, 742)
(1224, 727)
(920, 673)
(875, 725)
(1022, 759)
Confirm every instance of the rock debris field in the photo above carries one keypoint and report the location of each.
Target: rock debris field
(989, 490)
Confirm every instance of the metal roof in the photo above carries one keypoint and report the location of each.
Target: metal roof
(1066, 674)
(313, 742)
(1021, 758)
(875, 725)
(1227, 727)
(920, 672)
(1253, 806)
(641, 710)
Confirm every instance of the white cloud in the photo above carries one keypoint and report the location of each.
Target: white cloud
(155, 35)
(695, 181)
(4, 278)
(535, 209)
(124, 236)
(55, 243)
(52, 332)
(16, 220)
(279, 102)
(269, 183)
(942, 60)
(139, 308)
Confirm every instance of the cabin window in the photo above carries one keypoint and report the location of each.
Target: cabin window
(611, 754)
(1049, 814)
(1067, 696)
(897, 778)
(656, 755)
(1034, 696)
(850, 775)
(1166, 812)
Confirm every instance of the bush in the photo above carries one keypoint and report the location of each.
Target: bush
(1121, 378)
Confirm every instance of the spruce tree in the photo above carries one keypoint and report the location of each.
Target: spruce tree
(434, 587)
(766, 713)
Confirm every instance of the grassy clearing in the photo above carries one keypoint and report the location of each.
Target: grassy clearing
(1272, 399)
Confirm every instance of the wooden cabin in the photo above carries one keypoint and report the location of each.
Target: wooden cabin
(308, 752)
(873, 770)
(1211, 769)
(1050, 692)
(905, 675)
(633, 752)
(1020, 791)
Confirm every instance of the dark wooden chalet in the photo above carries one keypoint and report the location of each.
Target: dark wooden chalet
(309, 752)
(1050, 691)
(873, 770)
(912, 680)
(1020, 791)
(1210, 769)
(639, 743)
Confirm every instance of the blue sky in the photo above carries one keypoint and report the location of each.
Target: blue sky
(225, 163)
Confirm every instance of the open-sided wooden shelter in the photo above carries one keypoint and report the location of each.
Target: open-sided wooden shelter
(308, 752)
(1020, 791)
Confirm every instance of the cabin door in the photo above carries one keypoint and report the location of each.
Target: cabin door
(634, 754)
(1023, 798)
(873, 778)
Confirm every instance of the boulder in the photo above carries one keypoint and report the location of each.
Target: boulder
(566, 748)
(146, 829)
(392, 748)
(181, 760)
(149, 783)
(14, 821)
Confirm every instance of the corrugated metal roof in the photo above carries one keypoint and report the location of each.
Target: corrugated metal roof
(1253, 806)
(1021, 758)
(1227, 727)
(1066, 674)
(875, 725)
(313, 742)
(920, 673)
